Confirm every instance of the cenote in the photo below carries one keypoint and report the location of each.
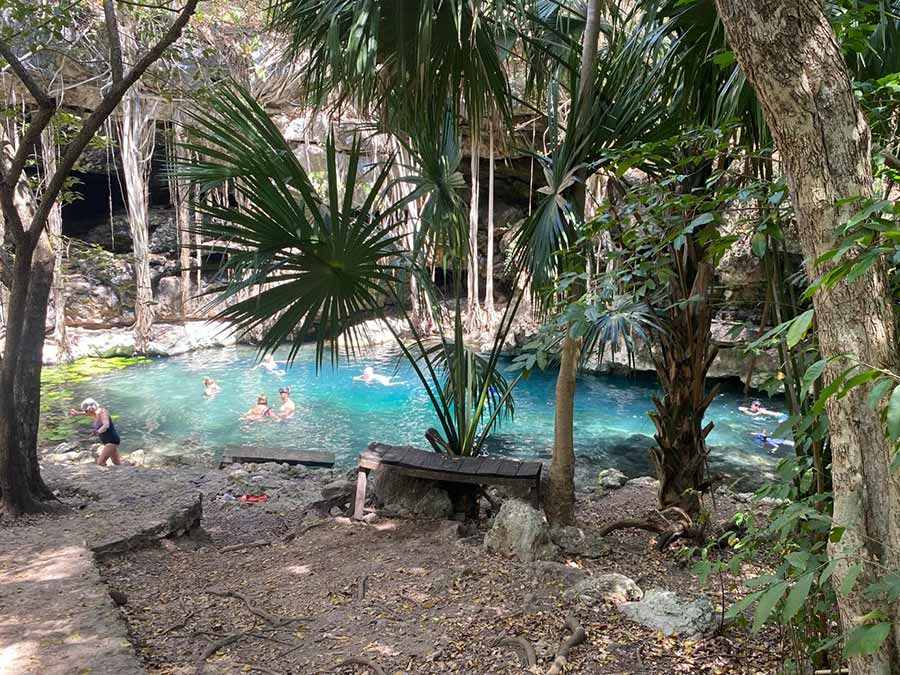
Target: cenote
(158, 406)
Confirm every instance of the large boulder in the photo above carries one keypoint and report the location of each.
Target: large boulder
(168, 297)
(611, 479)
(522, 532)
(669, 614)
(614, 587)
(435, 503)
(401, 494)
(340, 489)
(575, 541)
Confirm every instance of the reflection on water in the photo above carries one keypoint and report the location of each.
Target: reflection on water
(160, 408)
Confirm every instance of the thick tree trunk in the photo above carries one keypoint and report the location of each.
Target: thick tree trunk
(682, 358)
(54, 229)
(136, 132)
(559, 504)
(789, 52)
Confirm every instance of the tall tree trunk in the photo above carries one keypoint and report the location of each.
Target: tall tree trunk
(789, 52)
(560, 501)
(179, 192)
(136, 137)
(473, 299)
(682, 358)
(489, 260)
(54, 229)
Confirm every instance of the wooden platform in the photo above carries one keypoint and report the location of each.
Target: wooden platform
(432, 466)
(244, 453)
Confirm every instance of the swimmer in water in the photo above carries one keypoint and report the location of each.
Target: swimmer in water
(270, 364)
(210, 388)
(756, 409)
(774, 443)
(369, 376)
(258, 412)
(288, 407)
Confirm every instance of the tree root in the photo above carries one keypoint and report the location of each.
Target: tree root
(361, 661)
(522, 647)
(671, 524)
(290, 536)
(562, 656)
(244, 547)
(178, 626)
(251, 667)
(261, 613)
(361, 587)
(213, 647)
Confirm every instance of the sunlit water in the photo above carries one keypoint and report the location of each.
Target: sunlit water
(159, 406)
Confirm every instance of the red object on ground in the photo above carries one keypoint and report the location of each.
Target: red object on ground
(252, 498)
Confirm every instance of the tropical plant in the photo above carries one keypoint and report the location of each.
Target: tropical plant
(325, 262)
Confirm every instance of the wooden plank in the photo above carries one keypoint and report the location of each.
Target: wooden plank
(508, 468)
(360, 503)
(529, 469)
(242, 453)
(396, 455)
(489, 467)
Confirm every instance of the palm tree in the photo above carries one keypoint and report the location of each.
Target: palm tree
(325, 262)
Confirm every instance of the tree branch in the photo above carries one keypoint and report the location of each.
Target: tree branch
(6, 268)
(46, 107)
(103, 110)
(115, 41)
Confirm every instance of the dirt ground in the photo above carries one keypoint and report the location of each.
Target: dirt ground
(409, 596)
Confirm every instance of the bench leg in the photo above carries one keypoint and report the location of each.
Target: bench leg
(361, 479)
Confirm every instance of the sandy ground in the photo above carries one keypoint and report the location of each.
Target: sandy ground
(409, 596)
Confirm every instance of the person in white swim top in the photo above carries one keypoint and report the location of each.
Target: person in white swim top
(369, 376)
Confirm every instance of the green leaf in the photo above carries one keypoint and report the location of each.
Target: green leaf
(879, 389)
(767, 604)
(797, 596)
(812, 374)
(893, 414)
(758, 244)
(849, 580)
(702, 219)
(723, 59)
(866, 640)
(798, 559)
(829, 568)
(742, 604)
(799, 326)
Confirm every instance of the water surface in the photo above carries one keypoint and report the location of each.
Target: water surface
(159, 407)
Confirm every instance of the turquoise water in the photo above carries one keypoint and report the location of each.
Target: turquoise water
(159, 407)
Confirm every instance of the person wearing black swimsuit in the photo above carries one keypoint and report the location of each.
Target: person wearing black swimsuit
(105, 430)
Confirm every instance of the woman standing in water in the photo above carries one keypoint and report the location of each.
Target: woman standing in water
(104, 428)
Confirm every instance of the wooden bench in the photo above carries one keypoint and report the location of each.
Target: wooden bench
(243, 453)
(449, 468)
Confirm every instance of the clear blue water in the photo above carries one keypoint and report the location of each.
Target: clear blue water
(159, 407)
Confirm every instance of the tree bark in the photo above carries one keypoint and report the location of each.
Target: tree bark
(789, 52)
(179, 193)
(489, 260)
(136, 138)
(473, 291)
(54, 228)
(559, 504)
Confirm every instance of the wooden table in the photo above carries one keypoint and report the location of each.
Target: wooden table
(411, 461)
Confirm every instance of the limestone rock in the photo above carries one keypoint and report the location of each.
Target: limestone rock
(666, 612)
(574, 541)
(615, 588)
(644, 481)
(611, 479)
(435, 503)
(138, 458)
(339, 490)
(520, 531)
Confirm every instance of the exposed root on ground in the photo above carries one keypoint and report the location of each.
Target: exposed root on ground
(562, 656)
(213, 647)
(361, 661)
(290, 536)
(361, 587)
(671, 524)
(523, 649)
(244, 547)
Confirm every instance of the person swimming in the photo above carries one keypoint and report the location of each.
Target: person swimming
(775, 443)
(259, 411)
(757, 409)
(104, 428)
(270, 364)
(210, 388)
(288, 407)
(369, 376)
